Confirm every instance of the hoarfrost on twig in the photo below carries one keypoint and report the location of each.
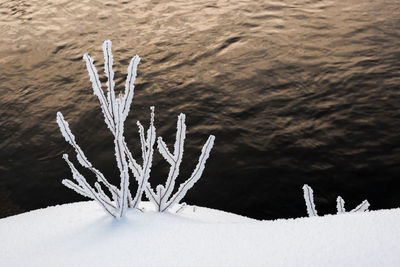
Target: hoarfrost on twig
(360, 208)
(311, 211)
(162, 197)
(309, 198)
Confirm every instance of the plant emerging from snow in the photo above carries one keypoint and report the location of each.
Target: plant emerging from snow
(162, 197)
(115, 111)
(311, 211)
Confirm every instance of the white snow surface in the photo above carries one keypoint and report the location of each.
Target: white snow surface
(81, 234)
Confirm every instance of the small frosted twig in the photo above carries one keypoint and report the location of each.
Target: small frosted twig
(94, 78)
(160, 190)
(362, 207)
(162, 147)
(151, 195)
(102, 194)
(184, 187)
(340, 205)
(108, 63)
(76, 188)
(133, 165)
(173, 159)
(147, 154)
(181, 208)
(70, 138)
(130, 86)
(87, 188)
(121, 159)
(104, 197)
(309, 198)
(142, 139)
(162, 197)
(141, 209)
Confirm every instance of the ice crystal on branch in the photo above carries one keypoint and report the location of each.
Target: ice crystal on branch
(115, 111)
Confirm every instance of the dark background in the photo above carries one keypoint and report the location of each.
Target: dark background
(294, 91)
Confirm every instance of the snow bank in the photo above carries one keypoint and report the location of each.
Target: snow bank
(81, 234)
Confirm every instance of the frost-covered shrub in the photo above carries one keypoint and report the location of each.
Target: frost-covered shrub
(115, 111)
(311, 211)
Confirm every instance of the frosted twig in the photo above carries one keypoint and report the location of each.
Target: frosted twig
(142, 174)
(130, 86)
(70, 138)
(174, 160)
(88, 189)
(94, 78)
(198, 171)
(181, 208)
(340, 205)
(362, 207)
(309, 198)
(162, 197)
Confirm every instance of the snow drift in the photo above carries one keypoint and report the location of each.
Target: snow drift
(81, 234)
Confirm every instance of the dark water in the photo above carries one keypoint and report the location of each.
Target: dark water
(295, 92)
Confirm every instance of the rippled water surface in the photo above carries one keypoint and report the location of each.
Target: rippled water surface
(295, 92)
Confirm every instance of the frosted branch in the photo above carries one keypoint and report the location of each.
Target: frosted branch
(76, 188)
(130, 86)
(198, 171)
(70, 138)
(362, 207)
(94, 78)
(340, 205)
(121, 159)
(108, 63)
(174, 160)
(147, 155)
(142, 139)
(162, 197)
(88, 189)
(309, 198)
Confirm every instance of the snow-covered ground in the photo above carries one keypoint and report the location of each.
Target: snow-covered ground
(81, 234)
